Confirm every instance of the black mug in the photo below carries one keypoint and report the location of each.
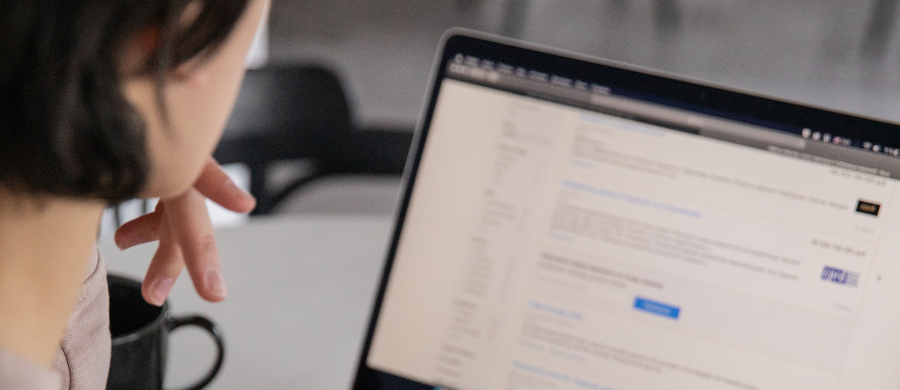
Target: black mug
(140, 333)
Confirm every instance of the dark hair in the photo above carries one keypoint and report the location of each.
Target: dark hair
(65, 127)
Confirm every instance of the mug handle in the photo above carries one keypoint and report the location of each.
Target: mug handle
(209, 326)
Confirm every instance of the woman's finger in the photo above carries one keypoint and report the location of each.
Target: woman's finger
(218, 187)
(189, 223)
(165, 267)
(140, 230)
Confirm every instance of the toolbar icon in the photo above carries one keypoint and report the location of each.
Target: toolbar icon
(806, 133)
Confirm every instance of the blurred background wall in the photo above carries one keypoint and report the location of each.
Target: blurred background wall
(835, 53)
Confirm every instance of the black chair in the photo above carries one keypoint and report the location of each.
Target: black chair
(302, 113)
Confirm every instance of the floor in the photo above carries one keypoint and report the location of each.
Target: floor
(837, 54)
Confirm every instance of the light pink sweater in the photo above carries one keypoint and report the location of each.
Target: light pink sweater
(82, 361)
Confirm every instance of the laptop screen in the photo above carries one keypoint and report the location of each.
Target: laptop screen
(574, 225)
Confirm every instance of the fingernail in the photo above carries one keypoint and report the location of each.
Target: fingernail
(161, 290)
(215, 284)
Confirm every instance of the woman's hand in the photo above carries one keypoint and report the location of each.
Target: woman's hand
(185, 234)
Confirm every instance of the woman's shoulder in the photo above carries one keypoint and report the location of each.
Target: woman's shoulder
(83, 357)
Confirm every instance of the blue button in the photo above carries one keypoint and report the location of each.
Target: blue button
(657, 308)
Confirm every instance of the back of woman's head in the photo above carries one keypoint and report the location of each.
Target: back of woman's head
(65, 127)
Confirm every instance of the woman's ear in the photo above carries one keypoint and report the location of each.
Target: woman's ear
(137, 54)
(146, 44)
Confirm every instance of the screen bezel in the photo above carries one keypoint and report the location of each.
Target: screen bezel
(623, 79)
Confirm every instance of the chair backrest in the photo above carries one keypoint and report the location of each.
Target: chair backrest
(295, 112)
(302, 113)
(288, 112)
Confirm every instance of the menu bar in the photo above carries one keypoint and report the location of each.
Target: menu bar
(845, 154)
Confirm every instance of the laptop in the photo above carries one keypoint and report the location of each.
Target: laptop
(573, 223)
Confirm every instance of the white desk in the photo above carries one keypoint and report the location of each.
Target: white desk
(300, 289)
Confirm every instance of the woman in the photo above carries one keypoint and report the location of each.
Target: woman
(102, 101)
